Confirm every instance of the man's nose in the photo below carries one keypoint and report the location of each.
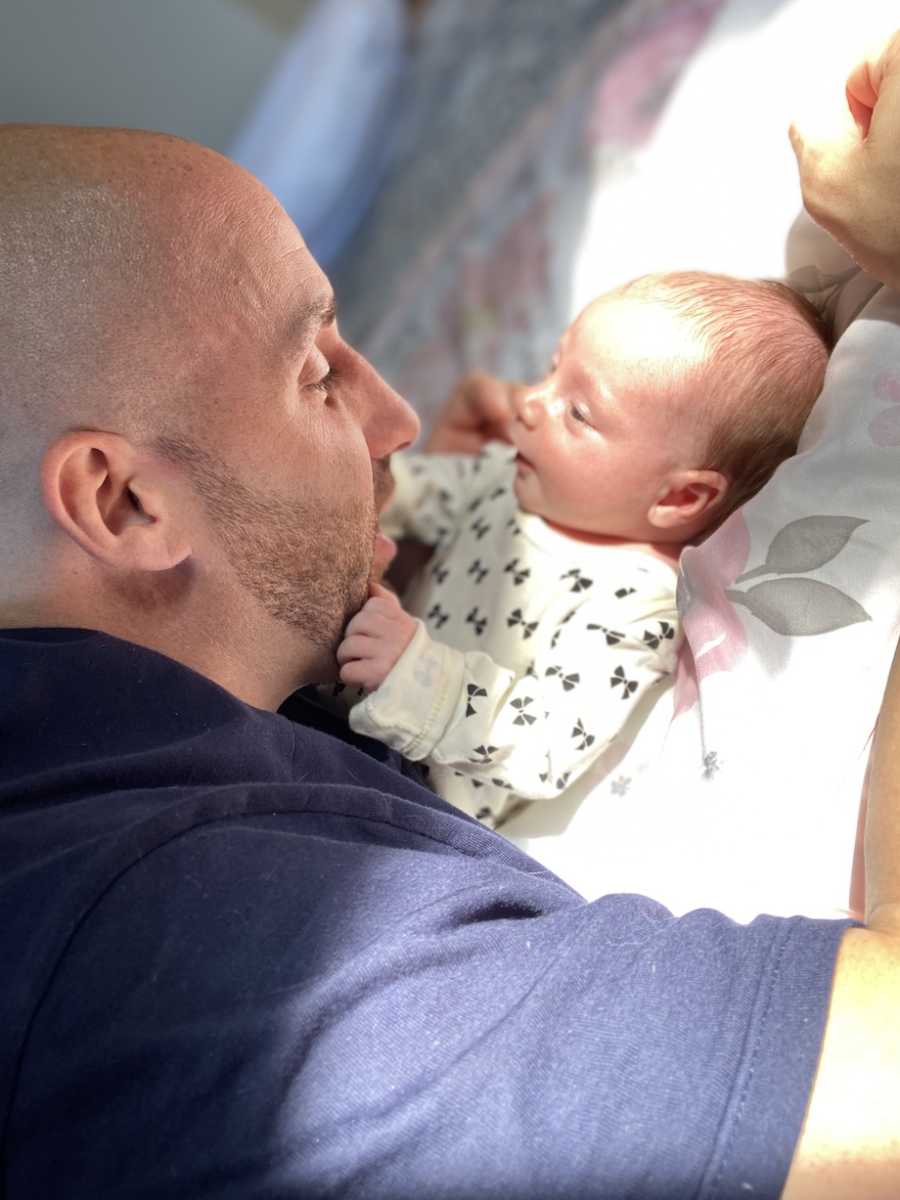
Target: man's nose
(390, 423)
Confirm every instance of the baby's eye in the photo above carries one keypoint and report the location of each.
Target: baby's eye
(579, 414)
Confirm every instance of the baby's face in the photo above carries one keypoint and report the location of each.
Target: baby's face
(599, 434)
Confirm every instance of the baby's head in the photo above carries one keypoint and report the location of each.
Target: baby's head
(669, 402)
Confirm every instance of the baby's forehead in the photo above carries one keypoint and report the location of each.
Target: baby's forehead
(635, 325)
(619, 336)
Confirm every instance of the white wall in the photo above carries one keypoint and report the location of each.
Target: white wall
(189, 67)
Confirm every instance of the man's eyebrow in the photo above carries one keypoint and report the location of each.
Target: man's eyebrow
(324, 310)
(320, 312)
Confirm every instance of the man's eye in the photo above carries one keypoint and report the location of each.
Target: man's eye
(323, 385)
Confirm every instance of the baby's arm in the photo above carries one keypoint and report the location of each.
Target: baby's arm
(432, 491)
(532, 734)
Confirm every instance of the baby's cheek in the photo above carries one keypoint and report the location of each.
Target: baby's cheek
(520, 489)
(572, 489)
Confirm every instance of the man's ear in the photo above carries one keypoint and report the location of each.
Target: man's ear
(686, 497)
(105, 495)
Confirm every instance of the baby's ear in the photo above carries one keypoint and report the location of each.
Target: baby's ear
(688, 499)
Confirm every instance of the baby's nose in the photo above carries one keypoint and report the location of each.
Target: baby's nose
(529, 408)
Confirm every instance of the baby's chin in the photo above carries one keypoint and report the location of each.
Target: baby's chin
(520, 489)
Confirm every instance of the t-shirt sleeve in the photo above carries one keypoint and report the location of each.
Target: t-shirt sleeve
(343, 1001)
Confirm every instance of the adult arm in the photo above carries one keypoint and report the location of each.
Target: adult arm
(850, 1145)
(851, 179)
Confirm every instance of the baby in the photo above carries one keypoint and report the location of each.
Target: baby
(531, 640)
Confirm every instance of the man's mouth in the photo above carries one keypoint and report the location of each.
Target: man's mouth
(383, 484)
(385, 548)
(383, 496)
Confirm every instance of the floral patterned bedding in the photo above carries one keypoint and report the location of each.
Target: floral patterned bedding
(517, 112)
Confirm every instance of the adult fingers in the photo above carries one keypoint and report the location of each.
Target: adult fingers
(861, 95)
(865, 80)
(883, 82)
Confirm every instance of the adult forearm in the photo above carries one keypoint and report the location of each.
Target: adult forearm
(882, 833)
(850, 1145)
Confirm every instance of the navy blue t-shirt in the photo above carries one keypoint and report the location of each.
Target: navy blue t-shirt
(244, 957)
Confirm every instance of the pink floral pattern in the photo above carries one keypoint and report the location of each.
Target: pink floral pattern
(489, 288)
(884, 428)
(887, 387)
(628, 99)
(714, 635)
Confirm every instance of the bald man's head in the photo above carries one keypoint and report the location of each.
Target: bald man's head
(190, 454)
(108, 240)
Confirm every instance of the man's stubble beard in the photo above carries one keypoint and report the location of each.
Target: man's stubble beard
(307, 565)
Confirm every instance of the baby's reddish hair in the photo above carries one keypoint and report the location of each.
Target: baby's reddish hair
(768, 350)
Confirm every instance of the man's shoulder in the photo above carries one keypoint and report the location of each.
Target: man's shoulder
(275, 990)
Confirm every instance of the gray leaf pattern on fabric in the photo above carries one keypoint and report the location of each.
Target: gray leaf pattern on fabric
(806, 545)
(800, 607)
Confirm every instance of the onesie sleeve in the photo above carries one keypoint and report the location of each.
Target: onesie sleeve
(432, 491)
(530, 735)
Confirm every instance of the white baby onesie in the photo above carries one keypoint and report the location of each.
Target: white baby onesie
(532, 649)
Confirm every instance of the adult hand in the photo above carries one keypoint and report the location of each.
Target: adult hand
(374, 640)
(851, 177)
(479, 410)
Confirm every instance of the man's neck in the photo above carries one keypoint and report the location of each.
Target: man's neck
(262, 676)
